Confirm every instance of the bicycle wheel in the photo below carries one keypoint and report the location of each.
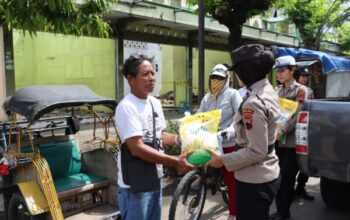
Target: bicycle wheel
(189, 197)
(223, 190)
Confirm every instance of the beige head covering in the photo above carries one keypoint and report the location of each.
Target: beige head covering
(216, 85)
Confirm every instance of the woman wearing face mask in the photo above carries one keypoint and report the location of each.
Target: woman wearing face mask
(220, 96)
(255, 163)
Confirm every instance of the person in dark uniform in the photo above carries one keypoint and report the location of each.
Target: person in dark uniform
(255, 163)
(288, 89)
(303, 79)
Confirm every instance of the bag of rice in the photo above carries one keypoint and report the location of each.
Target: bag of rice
(198, 132)
(287, 110)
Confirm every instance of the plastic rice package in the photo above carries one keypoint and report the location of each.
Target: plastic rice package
(199, 132)
(287, 110)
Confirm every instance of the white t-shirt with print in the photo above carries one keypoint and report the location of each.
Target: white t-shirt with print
(133, 117)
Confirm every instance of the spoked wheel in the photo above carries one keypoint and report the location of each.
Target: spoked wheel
(223, 190)
(17, 209)
(189, 197)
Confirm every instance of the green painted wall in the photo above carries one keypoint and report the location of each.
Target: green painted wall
(57, 59)
(168, 69)
(174, 69)
(180, 74)
(212, 58)
(47, 59)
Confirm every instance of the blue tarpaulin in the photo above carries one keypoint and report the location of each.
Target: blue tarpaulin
(330, 63)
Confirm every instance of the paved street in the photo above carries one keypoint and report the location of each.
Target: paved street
(301, 209)
(215, 208)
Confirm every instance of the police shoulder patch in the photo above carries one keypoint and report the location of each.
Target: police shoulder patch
(300, 96)
(247, 114)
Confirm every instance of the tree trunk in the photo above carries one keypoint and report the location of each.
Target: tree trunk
(318, 41)
(235, 36)
(309, 42)
(234, 25)
(2, 74)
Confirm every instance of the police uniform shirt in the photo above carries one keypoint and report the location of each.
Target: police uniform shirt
(256, 126)
(295, 92)
(310, 93)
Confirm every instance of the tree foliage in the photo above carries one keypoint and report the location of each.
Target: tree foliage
(344, 37)
(314, 18)
(233, 14)
(75, 17)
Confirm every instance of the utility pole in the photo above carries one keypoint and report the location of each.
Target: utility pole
(201, 27)
(2, 73)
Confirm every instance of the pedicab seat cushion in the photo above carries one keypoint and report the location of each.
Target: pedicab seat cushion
(75, 181)
(62, 157)
(65, 164)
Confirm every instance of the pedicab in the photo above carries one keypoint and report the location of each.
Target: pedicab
(44, 171)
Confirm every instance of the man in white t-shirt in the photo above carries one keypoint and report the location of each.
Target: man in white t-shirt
(135, 122)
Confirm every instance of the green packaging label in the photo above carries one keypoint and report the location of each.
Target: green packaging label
(199, 157)
(283, 139)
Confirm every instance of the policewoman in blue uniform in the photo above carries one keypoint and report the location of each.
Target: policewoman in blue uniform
(255, 163)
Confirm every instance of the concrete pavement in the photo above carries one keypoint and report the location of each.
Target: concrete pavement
(215, 208)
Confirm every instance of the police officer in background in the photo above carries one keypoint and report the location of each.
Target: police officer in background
(255, 163)
(303, 79)
(288, 89)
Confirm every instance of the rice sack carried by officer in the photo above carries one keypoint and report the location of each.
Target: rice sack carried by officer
(287, 109)
(199, 132)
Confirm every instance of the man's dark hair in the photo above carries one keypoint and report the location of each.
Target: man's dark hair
(131, 65)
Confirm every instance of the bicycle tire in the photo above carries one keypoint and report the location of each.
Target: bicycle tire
(224, 196)
(190, 196)
(223, 190)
